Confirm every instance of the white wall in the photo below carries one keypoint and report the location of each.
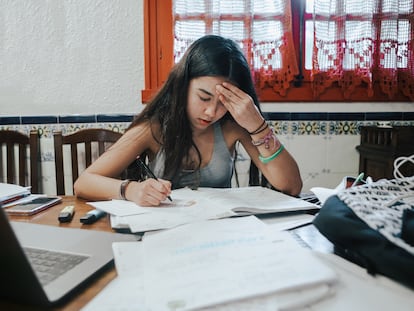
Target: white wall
(82, 57)
(71, 56)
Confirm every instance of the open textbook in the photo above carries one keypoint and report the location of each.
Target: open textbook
(195, 205)
(253, 200)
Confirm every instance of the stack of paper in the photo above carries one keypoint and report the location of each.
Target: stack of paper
(189, 206)
(228, 264)
(11, 192)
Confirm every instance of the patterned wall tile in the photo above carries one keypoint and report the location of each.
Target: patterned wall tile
(322, 143)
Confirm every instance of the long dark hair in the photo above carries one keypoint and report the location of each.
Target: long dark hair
(209, 55)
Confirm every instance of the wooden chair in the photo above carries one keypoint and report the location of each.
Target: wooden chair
(20, 150)
(91, 142)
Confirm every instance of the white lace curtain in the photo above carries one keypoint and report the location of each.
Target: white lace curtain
(262, 28)
(361, 42)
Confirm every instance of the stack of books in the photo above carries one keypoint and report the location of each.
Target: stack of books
(10, 193)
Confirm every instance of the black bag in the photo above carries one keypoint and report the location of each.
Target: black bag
(384, 245)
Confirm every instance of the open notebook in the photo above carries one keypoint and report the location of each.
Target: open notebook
(189, 206)
(78, 254)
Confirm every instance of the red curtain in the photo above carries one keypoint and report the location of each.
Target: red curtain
(262, 28)
(362, 42)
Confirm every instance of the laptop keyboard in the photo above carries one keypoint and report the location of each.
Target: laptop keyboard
(48, 265)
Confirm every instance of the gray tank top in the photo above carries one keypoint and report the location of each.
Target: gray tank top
(216, 174)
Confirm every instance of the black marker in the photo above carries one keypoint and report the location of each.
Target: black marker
(92, 216)
(149, 172)
(66, 214)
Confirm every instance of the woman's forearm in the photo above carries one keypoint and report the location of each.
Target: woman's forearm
(96, 187)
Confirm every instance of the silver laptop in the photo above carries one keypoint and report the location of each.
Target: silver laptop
(42, 265)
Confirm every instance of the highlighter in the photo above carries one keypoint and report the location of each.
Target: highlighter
(66, 214)
(92, 216)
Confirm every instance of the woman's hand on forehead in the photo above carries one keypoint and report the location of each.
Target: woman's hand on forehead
(240, 105)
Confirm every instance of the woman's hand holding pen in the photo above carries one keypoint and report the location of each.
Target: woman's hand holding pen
(149, 192)
(240, 105)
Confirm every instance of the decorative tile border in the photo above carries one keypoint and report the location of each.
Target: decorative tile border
(295, 123)
(292, 127)
(336, 116)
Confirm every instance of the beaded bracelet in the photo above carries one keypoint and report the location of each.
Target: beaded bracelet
(265, 140)
(259, 129)
(271, 157)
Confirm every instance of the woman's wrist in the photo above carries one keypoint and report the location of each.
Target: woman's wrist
(273, 156)
(123, 188)
(272, 146)
(259, 129)
(266, 140)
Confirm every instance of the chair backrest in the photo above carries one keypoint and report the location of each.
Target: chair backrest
(16, 151)
(84, 145)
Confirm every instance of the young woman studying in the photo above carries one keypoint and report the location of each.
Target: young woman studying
(189, 131)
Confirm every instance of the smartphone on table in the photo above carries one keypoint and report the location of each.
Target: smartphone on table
(34, 206)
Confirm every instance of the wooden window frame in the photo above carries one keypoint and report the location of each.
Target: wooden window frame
(159, 59)
(158, 43)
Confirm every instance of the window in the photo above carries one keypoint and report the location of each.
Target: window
(278, 40)
(261, 28)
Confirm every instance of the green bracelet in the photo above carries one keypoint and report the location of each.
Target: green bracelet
(271, 157)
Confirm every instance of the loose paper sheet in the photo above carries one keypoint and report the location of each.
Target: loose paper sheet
(130, 290)
(225, 260)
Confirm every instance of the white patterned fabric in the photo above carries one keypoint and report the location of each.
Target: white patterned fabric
(381, 205)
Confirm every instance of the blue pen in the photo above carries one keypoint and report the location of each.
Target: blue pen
(358, 179)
